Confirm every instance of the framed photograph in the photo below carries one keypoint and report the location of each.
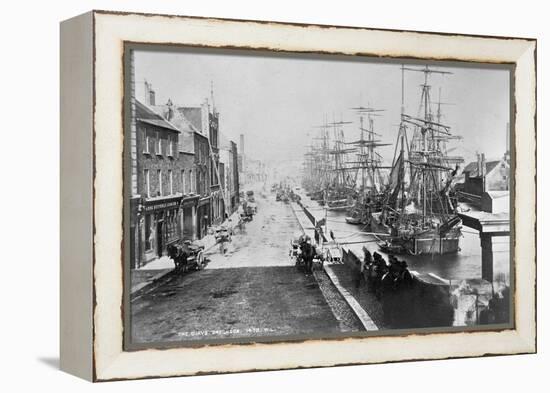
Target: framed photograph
(247, 195)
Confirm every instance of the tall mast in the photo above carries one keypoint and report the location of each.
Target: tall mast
(367, 157)
(402, 89)
(371, 152)
(362, 150)
(402, 171)
(428, 155)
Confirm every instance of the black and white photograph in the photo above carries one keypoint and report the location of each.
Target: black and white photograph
(263, 196)
(280, 196)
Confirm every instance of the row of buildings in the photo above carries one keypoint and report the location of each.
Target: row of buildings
(184, 173)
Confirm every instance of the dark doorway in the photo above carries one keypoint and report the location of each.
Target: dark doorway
(199, 223)
(159, 238)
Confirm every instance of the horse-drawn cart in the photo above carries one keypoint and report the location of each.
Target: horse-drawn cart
(187, 255)
(304, 254)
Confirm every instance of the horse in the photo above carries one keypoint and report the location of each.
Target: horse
(179, 256)
(307, 255)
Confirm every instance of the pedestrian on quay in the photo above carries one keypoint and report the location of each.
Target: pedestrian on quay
(360, 271)
(307, 254)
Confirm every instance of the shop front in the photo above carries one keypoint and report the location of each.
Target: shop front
(160, 226)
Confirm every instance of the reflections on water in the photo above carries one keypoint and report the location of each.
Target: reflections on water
(465, 264)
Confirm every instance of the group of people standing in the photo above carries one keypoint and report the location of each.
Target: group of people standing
(383, 277)
(392, 284)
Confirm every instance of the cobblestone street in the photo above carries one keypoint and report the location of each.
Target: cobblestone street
(253, 290)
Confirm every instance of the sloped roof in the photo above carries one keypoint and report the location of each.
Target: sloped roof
(177, 118)
(147, 115)
(194, 115)
(472, 167)
(187, 129)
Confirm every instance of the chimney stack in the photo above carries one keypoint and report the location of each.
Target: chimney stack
(149, 94)
(478, 164)
(241, 148)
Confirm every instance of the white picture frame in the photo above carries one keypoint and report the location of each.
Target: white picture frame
(92, 147)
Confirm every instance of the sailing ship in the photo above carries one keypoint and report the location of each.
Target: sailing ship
(368, 165)
(317, 166)
(329, 178)
(340, 192)
(421, 216)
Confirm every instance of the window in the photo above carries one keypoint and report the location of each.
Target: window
(159, 176)
(170, 147)
(183, 182)
(146, 143)
(147, 183)
(171, 180)
(190, 182)
(159, 145)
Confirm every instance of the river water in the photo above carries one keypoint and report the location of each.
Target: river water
(465, 264)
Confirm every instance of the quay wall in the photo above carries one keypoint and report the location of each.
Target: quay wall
(432, 300)
(426, 303)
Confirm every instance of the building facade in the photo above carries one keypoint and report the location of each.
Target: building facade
(230, 177)
(482, 176)
(217, 192)
(189, 169)
(180, 184)
(193, 122)
(161, 202)
(202, 176)
(189, 203)
(235, 201)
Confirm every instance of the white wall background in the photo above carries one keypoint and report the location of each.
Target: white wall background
(29, 201)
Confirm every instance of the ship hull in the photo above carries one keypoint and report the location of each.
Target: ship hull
(435, 245)
(338, 208)
(424, 244)
(353, 220)
(338, 205)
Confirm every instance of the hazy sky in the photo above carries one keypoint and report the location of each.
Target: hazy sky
(276, 100)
